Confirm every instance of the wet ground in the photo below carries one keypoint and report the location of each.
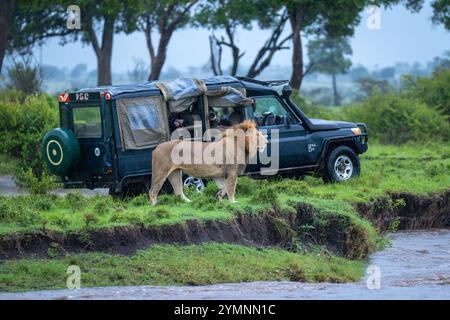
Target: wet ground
(8, 187)
(415, 266)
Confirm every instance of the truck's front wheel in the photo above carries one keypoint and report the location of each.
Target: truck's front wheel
(341, 164)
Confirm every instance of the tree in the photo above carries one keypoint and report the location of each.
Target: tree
(228, 15)
(370, 86)
(24, 24)
(35, 21)
(441, 13)
(166, 16)
(331, 18)
(7, 8)
(328, 55)
(358, 72)
(442, 63)
(23, 76)
(104, 18)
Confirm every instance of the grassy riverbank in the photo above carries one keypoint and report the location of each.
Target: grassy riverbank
(179, 265)
(417, 169)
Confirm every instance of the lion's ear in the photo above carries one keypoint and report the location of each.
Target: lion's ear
(246, 125)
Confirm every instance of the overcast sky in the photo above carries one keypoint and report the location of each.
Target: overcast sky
(403, 37)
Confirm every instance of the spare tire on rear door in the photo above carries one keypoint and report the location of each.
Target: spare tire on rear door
(60, 150)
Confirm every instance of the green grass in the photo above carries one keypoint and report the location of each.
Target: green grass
(420, 169)
(179, 265)
(7, 165)
(417, 169)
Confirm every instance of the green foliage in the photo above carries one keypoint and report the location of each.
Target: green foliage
(75, 201)
(23, 124)
(266, 194)
(433, 91)
(8, 164)
(370, 86)
(25, 178)
(397, 118)
(89, 219)
(441, 10)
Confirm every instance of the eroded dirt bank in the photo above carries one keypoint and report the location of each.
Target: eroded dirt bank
(408, 211)
(274, 228)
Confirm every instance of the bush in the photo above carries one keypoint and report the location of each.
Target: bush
(397, 118)
(313, 110)
(28, 180)
(23, 125)
(434, 91)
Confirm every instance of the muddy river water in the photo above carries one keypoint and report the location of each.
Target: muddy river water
(415, 266)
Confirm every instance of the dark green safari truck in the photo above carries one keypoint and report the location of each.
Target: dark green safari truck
(107, 134)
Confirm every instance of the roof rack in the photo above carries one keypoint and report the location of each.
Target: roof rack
(264, 82)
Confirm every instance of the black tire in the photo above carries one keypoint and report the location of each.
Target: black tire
(341, 164)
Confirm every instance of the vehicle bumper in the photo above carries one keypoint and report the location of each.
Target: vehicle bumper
(362, 141)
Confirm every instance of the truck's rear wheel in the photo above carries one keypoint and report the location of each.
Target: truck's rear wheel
(341, 165)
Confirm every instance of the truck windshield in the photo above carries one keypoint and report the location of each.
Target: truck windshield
(87, 122)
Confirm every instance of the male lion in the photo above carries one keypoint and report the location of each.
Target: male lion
(222, 160)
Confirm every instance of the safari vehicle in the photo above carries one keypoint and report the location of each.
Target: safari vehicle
(107, 134)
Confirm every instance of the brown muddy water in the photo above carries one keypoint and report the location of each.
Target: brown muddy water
(415, 266)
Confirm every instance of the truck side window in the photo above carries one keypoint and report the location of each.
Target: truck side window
(269, 111)
(87, 122)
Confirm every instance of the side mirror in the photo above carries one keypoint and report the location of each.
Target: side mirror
(287, 122)
(287, 91)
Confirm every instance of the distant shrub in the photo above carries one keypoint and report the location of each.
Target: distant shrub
(396, 118)
(434, 90)
(313, 110)
(24, 76)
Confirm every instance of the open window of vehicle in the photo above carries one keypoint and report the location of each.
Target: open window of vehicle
(269, 111)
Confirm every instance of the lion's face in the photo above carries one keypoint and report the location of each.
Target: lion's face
(262, 141)
(258, 140)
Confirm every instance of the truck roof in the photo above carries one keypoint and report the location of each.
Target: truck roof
(116, 90)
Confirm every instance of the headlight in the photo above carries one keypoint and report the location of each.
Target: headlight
(356, 131)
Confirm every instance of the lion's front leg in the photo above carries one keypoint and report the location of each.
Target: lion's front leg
(231, 186)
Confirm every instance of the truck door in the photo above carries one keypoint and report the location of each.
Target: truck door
(86, 121)
(140, 124)
(285, 134)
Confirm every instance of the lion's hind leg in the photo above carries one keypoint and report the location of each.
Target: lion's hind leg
(175, 179)
(221, 184)
(158, 179)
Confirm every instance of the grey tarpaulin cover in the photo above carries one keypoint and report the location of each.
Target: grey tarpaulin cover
(142, 121)
(182, 92)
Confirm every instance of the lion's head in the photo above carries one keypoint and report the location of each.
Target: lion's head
(254, 139)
